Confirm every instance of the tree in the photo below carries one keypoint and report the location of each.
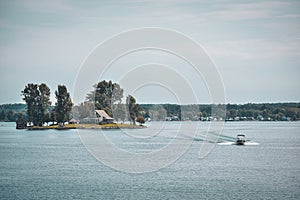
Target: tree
(30, 94)
(133, 108)
(119, 111)
(84, 110)
(37, 98)
(44, 102)
(105, 94)
(53, 116)
(63, 106)
(46, 118)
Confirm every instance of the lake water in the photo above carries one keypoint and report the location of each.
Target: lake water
(56, 165)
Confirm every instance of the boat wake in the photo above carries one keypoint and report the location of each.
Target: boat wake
(226, 143)
(212, 137)
(247, 143)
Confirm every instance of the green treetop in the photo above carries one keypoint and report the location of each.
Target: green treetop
(105, 94)
(63, 106)
(133, 108)
(37, 98)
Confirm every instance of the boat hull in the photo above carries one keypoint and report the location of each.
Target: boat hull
(240, 142)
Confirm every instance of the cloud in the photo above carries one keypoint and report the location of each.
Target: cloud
(52, 38)
(253, 49)
(249, 11)
(289, 16)
(54, 6)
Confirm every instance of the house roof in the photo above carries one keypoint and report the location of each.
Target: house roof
(102, 113)
(73, 120)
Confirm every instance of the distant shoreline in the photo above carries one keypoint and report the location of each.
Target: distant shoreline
(289, 111)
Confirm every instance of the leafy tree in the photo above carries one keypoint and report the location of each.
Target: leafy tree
(37, 98)
(30, 94)
(46, 118)
(63, 106)
(105, 94)
(133, 108)
(84, 110)
(44, 102)
(53, 116)
(119, 111)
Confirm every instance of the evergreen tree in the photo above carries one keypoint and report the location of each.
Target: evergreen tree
(63, 106)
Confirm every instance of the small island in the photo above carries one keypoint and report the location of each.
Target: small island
(103, 109)
(87, 126)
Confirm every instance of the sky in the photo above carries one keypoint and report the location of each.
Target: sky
(255, 45)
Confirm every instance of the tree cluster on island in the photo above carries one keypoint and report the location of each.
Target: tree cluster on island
(106, 96)
(37, 98)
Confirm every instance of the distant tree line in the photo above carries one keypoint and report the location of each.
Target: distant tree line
(11, 112)
(234, 112)
(264, 111)
(108, 96)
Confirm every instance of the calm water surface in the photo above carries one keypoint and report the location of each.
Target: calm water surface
(55, 165)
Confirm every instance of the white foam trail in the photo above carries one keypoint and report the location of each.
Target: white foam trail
(226, 143)
(250, 143)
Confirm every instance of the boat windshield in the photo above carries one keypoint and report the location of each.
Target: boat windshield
(240, 137)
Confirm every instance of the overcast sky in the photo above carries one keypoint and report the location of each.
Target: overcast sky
(254, 44)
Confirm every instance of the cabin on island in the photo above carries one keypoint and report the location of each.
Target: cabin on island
(73, 121)
(103, 117)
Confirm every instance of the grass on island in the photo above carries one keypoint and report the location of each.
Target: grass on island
(86, 126)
